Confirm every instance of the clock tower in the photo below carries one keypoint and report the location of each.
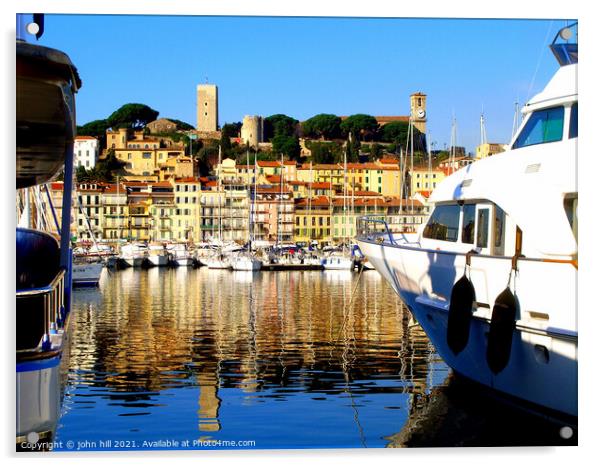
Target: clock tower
(418, 111)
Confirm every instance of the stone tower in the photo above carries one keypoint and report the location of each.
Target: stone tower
(418, 111)
(206, 107)
(252, 130)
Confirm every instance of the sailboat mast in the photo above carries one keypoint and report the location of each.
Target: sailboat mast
(310, 196)
(219, 192)
(411, 164)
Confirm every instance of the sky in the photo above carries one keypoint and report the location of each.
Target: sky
(305, 66)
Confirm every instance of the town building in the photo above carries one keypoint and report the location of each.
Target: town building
(86, 151)
(162, 125)
(488, 149)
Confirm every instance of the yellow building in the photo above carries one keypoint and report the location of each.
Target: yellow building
(424, 181)
(186, 221)
(115, 212)
(312, 220)
(487, 149)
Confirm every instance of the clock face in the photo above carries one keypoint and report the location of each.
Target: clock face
(420, 113)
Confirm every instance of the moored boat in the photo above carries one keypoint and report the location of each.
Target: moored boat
(492, 276)
(46, 85)
(157, 255)
(87, 273)
(134, 254)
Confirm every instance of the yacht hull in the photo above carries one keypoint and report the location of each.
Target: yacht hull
(158, 260)
(542, 368)
(38, 398)
(86, 274)
(133, 261)
(252, 265)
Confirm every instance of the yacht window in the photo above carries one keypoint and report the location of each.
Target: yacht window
(443, 224)
(483, 229)
(573, 124)
(499, 227)
(468, 224)
(543, 126)
(570, 207)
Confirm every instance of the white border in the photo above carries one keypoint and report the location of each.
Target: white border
(589, 173)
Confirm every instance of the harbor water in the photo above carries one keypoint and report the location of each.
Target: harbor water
(196, 358)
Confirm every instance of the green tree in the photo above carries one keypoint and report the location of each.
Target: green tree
(81, 174)
(325, 152)
(323, 125)
(287, 145)
(135, 116)
(95, 128)
(364, 127)
(232, 130)
(279, 125)
(375, 151)
(397, 133)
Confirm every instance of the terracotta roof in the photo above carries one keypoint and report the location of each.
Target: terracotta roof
(268, 163)
(188, 180)
(86, 138)
(389, 161)
(265, 188)
(290, 162)
(319, 185)
(162, 184)
(360, 193)
(389, 119)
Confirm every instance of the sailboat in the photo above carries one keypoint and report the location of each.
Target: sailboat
(245, 260)
(340, 259)
(219, 260)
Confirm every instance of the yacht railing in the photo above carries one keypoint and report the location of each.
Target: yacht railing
(40, 326)
(374, 228)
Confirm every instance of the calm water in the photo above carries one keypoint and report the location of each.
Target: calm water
(182, 356)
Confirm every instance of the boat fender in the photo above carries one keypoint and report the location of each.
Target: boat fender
(503, 317)
(501, 331)
(460, 312)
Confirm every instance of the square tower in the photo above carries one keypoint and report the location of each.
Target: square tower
(418, 111)
(206, 107)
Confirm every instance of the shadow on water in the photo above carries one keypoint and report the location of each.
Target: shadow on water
(462, 413)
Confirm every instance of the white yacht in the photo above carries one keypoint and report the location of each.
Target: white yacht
(338, 260)
(180, 255)
(492, 276)
(245, 261)
(86, 273)
(134, 254)
(157, 255)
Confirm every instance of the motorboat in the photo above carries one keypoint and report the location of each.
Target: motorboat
(86, 271)
(46, 83)
(338, 260)
(134, 254)
(157, 255)
(492, 276)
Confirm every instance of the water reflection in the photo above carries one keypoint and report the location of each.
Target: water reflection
(277, 357)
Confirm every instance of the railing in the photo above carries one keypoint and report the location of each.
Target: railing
(33, 329)
(374, 228)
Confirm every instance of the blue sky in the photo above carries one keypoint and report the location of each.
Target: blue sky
(305, 66)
